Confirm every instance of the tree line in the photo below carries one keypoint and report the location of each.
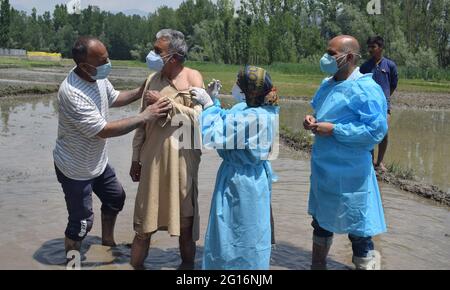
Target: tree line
(417, 32)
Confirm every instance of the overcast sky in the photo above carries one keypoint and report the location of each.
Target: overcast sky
(110, 5)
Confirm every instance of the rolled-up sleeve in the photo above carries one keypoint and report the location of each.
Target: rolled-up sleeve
(83, 113)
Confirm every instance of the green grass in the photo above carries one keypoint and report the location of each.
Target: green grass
(299, 80)
(128, 63)
(288, 84)
(400, 172)
(23, 62)
(299, 139)
(433, 74)
(293, 80)
(412, 85)
(302, 80)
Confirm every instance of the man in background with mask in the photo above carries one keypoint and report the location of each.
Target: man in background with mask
(349, 120)
(80, 156)
(167, 174)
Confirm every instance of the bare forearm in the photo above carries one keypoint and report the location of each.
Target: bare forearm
(121, 127)
(127, 97)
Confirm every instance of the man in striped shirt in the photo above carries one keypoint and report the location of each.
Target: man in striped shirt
(80, 156)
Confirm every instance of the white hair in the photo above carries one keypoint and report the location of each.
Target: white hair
(177, 43)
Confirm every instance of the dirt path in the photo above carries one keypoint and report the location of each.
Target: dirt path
(418, 100)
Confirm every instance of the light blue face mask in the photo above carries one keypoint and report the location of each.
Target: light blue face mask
(329, 65)
(103, 71)
(155, 61)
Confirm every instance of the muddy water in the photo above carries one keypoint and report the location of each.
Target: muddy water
(418, 140)
(33, 214)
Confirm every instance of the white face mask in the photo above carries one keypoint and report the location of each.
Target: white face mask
(238, 94)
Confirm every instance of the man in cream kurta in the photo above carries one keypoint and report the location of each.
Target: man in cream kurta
(167, 174)
(167, 190)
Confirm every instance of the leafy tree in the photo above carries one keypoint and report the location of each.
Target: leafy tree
(5, 21)
(259, 32)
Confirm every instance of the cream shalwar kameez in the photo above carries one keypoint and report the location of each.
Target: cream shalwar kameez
(168, 187)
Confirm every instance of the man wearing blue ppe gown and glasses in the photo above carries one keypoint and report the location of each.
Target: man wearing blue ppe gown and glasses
(349, 119)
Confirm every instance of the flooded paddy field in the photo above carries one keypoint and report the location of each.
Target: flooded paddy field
(33, 213)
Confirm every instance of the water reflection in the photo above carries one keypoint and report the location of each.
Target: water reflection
(9, 106)
(418, 140)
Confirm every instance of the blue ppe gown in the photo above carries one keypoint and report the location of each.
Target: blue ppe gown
(344, 194)
(238, 236)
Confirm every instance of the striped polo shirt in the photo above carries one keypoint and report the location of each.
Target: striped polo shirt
(83, 111)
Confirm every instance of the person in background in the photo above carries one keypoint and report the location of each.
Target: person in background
(385, 74)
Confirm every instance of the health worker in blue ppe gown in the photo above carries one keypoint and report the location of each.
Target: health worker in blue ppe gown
(349, 119)
(239, 233)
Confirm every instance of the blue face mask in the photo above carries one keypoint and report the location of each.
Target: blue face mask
(155, 61)
(328, 64)
(102, 71)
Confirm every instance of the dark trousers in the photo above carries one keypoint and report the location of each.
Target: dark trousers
(360, 245)
(78, 196)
